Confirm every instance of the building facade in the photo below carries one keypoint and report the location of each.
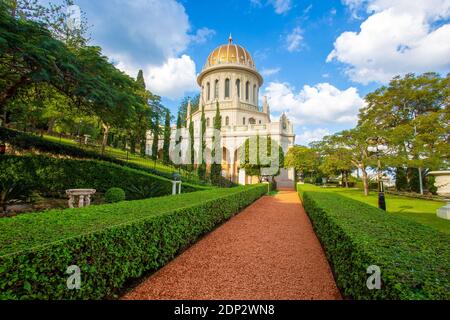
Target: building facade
(230, 79)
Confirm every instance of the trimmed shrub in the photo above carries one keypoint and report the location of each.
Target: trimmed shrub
(52, 176)
(113, 195)
(414, 259)
(110, 243)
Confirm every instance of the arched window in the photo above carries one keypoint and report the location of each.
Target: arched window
(255, 97)
(251, 121)
(227, 88)
(247, 90)
(207, 122)
(227, 121)
(216, 89)
(238, 88)
(208, 91)
(243, 121)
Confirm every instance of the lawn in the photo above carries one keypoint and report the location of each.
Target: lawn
(422, 211)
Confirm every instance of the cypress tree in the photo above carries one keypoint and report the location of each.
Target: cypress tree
(191, 137)
(202, 167)
(178, 137)
(167, 131)
(155, 139)
(216, 168)
(140, 79)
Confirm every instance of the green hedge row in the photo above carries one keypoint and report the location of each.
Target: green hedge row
(24, 141)
(52, 176)
(414, 259)
(110, 243)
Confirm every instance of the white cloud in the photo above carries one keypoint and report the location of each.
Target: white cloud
(269, 71)
(321, 104)
(309, 136)
(354, 6)
(136, 28)
(174, 78)
(398, 37)
(202, 35)
(281, 6)
(294, 40)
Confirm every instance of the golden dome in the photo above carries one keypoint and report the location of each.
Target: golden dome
(230, 54)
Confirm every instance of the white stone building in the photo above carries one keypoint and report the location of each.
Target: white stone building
(231, 79)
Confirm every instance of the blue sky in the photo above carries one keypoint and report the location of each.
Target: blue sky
(319, 58)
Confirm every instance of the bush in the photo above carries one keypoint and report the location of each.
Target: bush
(110, 243)
(114, 195)
(52, 176)
(414, 259)
(431, 184)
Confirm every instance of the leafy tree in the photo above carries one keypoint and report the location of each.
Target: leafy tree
(304, 160)
(54, 17)
(355, 141)
(337, 161)
(412, 113)
(202, 167)
(191, 143)
(263, 164)
(30, 55)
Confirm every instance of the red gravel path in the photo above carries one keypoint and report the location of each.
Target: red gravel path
(268, 251)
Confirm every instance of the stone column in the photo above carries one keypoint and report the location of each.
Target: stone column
(71, 201)
(174, 187)
(242, 177)
(232, 166)
(81, 201)
(87, 200)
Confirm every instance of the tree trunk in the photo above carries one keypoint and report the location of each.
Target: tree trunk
(365, 180)
(105, 136)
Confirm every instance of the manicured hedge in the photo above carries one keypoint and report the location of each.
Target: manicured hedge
(52, 176)
(110, 243)
(414, 259)
(24, 141)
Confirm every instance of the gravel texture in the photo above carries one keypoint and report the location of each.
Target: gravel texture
(268, 251)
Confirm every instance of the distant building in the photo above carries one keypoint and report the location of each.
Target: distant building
(231, 79)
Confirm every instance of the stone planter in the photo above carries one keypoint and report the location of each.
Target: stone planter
(442, 182)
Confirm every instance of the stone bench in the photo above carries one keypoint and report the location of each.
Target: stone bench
(84, 197)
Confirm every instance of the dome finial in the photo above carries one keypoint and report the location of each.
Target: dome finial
(230, 39)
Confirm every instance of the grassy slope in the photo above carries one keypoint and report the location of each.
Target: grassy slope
(117, 153)
(34, 229)
(422, 211)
